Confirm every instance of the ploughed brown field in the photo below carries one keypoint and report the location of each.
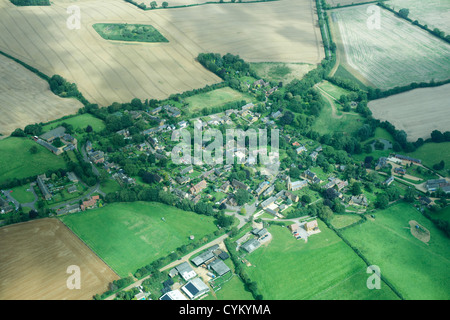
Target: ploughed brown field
(34, 257)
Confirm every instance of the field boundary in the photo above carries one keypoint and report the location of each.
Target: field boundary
(89, 248)
(413, 22)
(366, 261)
(193, 5)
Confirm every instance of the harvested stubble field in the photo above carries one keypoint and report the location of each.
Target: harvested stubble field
(34, 258)
(115, 71)
(25, 98)
(434, 13)
(397, 54)
(418, 112)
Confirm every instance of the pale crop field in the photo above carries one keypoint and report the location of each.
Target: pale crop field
(417, 112)
(25, 98)
(434, 13)
(34, 259)
(115, 71)
(396, 54)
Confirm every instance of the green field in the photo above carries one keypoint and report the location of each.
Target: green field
(22, 195)
(323, 268)
(344, 220)
(330, 121)
(215, 98)
(432, 153)
(128, 236)
(129, 32)
(417, 270)
(17, 162)
(78, 122)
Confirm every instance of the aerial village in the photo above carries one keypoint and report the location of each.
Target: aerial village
(308, 173)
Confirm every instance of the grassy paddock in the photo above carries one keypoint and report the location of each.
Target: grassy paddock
(432, 153)
(78, 122)
(17, 162)
(215, 98)
(417, 270)
(323, 268)
(128, 236)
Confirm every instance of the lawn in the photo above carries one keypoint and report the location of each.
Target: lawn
(128, 236)
(110, 185)
(323, 268)
(432, 153)
(417, 270)
(22, 195)
(17, 162)
(215, 98)
(78, 122)
(129, 32)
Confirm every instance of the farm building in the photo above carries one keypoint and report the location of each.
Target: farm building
(224, 256)
(206, 256)
(53, 134)
(400, 170)
(186, 271)
(219, 267)
(434, 184)
(251, 245)
(195, 288)
(406, 158)
(49, 146)
(173, 295)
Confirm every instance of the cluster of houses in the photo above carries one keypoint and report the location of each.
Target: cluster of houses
(212, 259)
(5, 207)
(47, 139)
(263, 85)
(88, 204)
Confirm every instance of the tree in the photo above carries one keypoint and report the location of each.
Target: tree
(165, 4)
(410, 195)
(153, 4)
(382, 201)
(89, 129)
(403, 13)
(241, 196)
